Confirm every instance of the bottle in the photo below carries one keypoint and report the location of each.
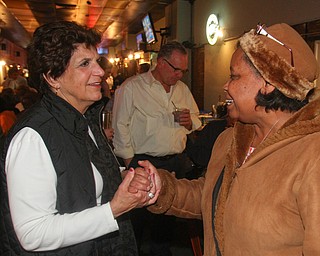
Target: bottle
(106, 119)
(220, 102)
(214, 111)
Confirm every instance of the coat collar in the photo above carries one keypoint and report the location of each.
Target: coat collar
(68, 117)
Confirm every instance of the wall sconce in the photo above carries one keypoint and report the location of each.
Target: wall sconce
(213, 30)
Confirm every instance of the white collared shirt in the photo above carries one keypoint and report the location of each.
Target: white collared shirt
(143, 121)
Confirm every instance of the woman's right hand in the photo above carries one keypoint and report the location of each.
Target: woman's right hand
(125, 199)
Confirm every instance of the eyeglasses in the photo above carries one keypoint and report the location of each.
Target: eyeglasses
(176, 70)
(261, 31)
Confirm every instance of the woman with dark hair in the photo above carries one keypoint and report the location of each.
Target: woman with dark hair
(260, 194)
(61, 187)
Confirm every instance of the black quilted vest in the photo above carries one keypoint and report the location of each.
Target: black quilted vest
(65, 133)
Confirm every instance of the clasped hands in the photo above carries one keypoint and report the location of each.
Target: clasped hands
(140, 187)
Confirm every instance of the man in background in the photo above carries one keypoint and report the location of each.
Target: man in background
(14, 79)
(146, 129)
(143, 67)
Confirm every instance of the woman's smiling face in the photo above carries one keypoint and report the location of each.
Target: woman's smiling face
(80, 84)
(242, 88)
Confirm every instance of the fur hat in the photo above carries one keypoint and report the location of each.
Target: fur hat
(273, 60)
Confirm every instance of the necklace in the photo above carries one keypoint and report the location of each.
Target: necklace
(266, 136)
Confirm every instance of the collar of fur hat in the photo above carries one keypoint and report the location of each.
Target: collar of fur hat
(274, 69)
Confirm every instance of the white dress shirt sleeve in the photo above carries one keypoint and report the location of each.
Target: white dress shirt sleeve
(32, 182)
(122, 113)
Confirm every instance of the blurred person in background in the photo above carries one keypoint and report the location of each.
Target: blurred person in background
(10, 98)
(143, 68)
(14, 79)
(26, 97)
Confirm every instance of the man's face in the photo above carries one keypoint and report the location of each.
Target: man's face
(172, 69)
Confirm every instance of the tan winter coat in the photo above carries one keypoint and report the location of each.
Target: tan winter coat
(268, 206)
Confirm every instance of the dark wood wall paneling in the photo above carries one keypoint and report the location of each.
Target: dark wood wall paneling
(197, 86)
(310, 31)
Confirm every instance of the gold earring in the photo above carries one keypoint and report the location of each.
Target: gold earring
(57, 89)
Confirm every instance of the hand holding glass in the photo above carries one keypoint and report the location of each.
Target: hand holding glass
(176, 114)
(182, 116)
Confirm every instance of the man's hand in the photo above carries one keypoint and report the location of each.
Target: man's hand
(185, 119)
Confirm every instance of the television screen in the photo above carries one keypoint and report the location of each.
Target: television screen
(102, 50)
(149, 29)
(139, 39)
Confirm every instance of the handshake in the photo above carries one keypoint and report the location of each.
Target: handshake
(140, 187)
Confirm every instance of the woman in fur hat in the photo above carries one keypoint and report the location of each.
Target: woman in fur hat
(261, 192)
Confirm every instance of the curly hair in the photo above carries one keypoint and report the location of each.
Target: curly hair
(52, 47)
(274, 100)
(167, 49)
